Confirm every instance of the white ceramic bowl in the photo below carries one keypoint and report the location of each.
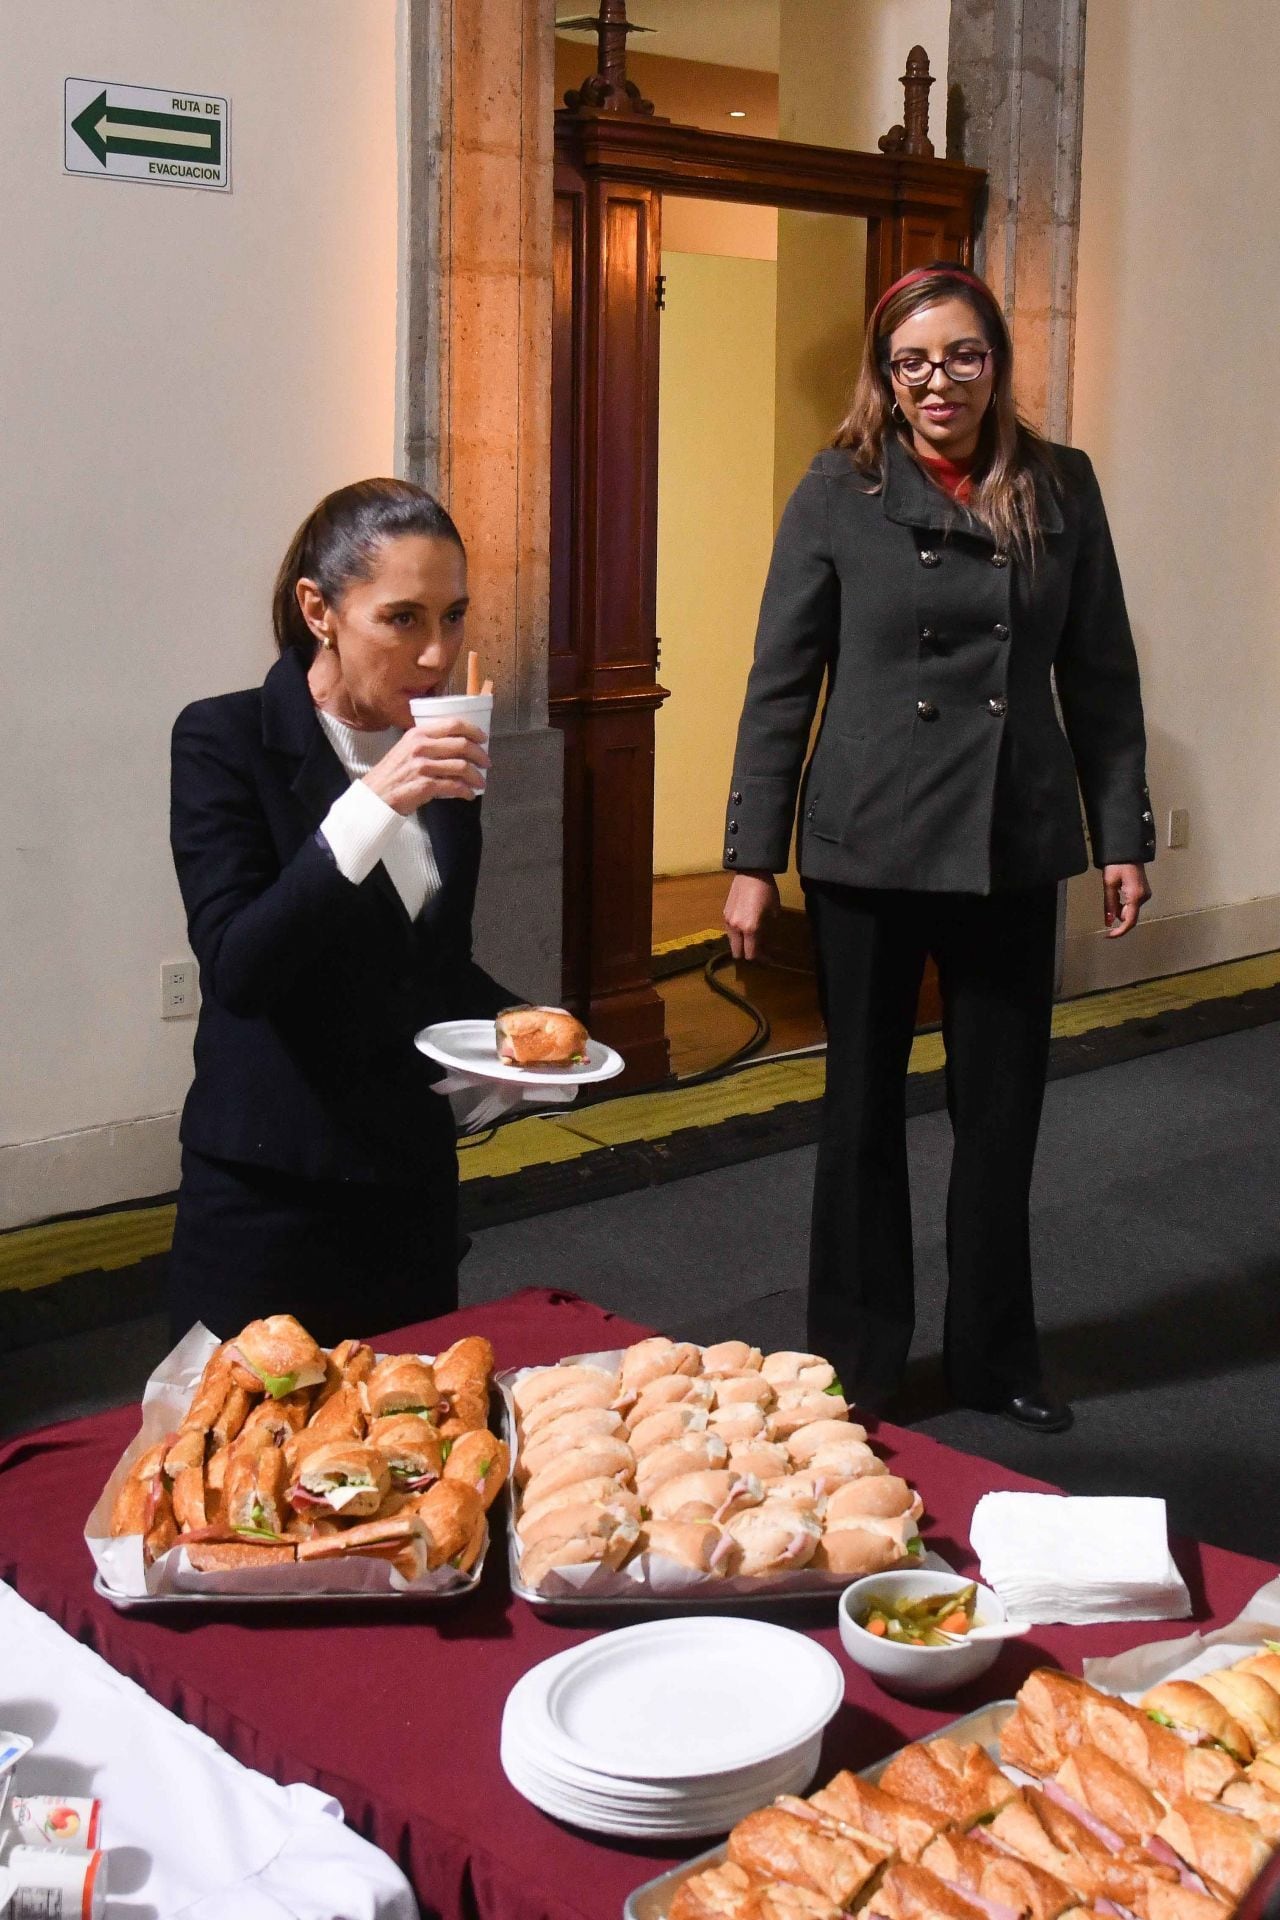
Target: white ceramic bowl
(917, 1672)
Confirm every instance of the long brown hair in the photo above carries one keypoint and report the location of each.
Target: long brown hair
(1010, 453)
(337, 542)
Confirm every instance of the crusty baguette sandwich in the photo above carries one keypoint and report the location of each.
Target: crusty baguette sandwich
(402, 1541)
(959, 1779)
(1265, 1665)
(1050, 1835)
(899, 1824)
(1190, 1708)
(986, 1873)
(1250, 1699)
(1108, 1793)
(1258, 1804)
(254, 1489)
(1266, 1767)
(540, 1036)
(465, 1411)
(341, 1416)
(600, 1491)
(453, 1514)
(184, 1467)
(402, 1383)
(851, 1550)
(412, 1449)
(279, 1355)
(348, 1477)
(882, 1496)
(467, 1363)
(778, 1845)
(144, 1505)
(480, 1460)
(914, 1893)
(729, 1892)
(231, 1416)
(231, 1556)
(211, 1390)
(1222, 1846)
(577, 1516)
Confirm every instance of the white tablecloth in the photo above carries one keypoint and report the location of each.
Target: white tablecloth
(188, 1831)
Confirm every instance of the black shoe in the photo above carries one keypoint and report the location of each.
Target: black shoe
(1038, 1412)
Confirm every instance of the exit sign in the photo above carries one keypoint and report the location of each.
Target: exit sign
(161, 136)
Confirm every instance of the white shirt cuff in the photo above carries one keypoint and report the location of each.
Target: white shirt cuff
(359, 827)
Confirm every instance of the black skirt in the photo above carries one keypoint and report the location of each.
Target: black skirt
(348, 1259)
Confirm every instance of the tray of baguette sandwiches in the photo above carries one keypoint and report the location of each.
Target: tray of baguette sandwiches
(268, 1469)
(666, 1471)
(1065, 1800)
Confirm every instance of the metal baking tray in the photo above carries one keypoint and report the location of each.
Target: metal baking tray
(653, 1900)
(708, 1593)
(137, 1602)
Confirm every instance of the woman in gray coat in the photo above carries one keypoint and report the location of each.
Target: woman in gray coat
(943, 569)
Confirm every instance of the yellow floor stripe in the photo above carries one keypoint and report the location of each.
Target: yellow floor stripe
(689, 940)
(33, 1257)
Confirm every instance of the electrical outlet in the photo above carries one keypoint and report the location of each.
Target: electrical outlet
(1179, 827)
(177, 989)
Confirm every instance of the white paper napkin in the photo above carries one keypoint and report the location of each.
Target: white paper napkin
(1058, 1558)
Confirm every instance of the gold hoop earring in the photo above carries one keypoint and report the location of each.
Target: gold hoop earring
(896, 414)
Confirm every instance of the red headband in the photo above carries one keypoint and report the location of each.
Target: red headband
(925, 273)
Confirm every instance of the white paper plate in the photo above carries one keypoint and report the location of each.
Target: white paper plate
(693, 1817)
(468, 1046)
(686, 1699)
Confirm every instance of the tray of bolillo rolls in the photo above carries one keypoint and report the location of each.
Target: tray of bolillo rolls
(665, 1471)
(267, 1469)
(1064, 1802)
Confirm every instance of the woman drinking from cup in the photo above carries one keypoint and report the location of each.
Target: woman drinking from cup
(944, 569)
(328, 849)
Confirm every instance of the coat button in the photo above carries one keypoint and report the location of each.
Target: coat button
(1000, 631)
(733, 826)
(730, 855)
(926, 633)
(999, 559)
(928, 558)
(998, 705)
(926, 710)
(737, 799)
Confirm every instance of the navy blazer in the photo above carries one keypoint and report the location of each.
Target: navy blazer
(312, 988)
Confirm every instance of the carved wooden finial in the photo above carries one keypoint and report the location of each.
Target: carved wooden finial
(608, 89)
(913, 137)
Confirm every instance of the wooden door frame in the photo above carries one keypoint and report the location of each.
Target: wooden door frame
(614, 162)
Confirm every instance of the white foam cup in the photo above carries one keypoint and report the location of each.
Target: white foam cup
(475, 708)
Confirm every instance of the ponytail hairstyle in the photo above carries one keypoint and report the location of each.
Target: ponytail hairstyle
(1010, 454)
(338, 542)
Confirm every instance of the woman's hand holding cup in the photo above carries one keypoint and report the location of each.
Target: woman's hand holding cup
(442, 759)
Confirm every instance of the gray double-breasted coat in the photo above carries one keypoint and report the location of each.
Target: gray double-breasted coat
(940, 764)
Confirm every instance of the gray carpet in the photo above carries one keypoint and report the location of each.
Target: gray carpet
(1156, 1234)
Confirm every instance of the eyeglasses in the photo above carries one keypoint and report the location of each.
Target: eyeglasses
(966, 363)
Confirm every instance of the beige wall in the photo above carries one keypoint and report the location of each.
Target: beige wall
(715, 529)
(183, 374)
(1179, 261)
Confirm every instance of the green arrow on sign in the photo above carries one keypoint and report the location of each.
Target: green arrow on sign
(155, 136)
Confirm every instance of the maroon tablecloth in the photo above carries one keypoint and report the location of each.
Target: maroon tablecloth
(398, 1716)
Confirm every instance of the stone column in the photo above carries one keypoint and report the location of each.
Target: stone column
(1015, 71)
(477, 79)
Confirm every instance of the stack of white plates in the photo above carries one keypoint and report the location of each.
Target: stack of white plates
(670, 1730)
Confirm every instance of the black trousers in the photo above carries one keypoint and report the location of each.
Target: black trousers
(995, 957)
(348, 1260)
